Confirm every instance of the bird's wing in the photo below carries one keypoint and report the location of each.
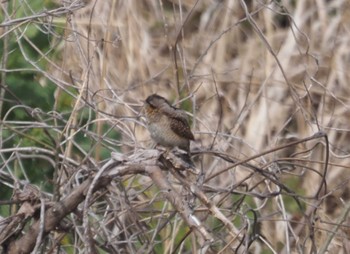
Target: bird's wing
(182, 128)
(179, 122)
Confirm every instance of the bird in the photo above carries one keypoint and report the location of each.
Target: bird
(167, 125)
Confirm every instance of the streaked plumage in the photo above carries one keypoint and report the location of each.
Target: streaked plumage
(167, 125)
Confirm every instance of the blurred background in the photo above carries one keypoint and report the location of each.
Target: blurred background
(264, 82)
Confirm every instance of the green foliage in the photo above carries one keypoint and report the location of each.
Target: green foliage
(27, 90)
(293, 183)
(65, 100)
(27, 46)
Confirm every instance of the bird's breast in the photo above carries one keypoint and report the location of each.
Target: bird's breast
(162, 133)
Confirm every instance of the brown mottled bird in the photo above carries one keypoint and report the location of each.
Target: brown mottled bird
(167, 125)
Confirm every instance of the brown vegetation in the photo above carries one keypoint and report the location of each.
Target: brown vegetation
(266, 86)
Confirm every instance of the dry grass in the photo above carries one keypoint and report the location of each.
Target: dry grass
(266, 85)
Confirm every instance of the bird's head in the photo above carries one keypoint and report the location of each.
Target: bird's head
(156, 101)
